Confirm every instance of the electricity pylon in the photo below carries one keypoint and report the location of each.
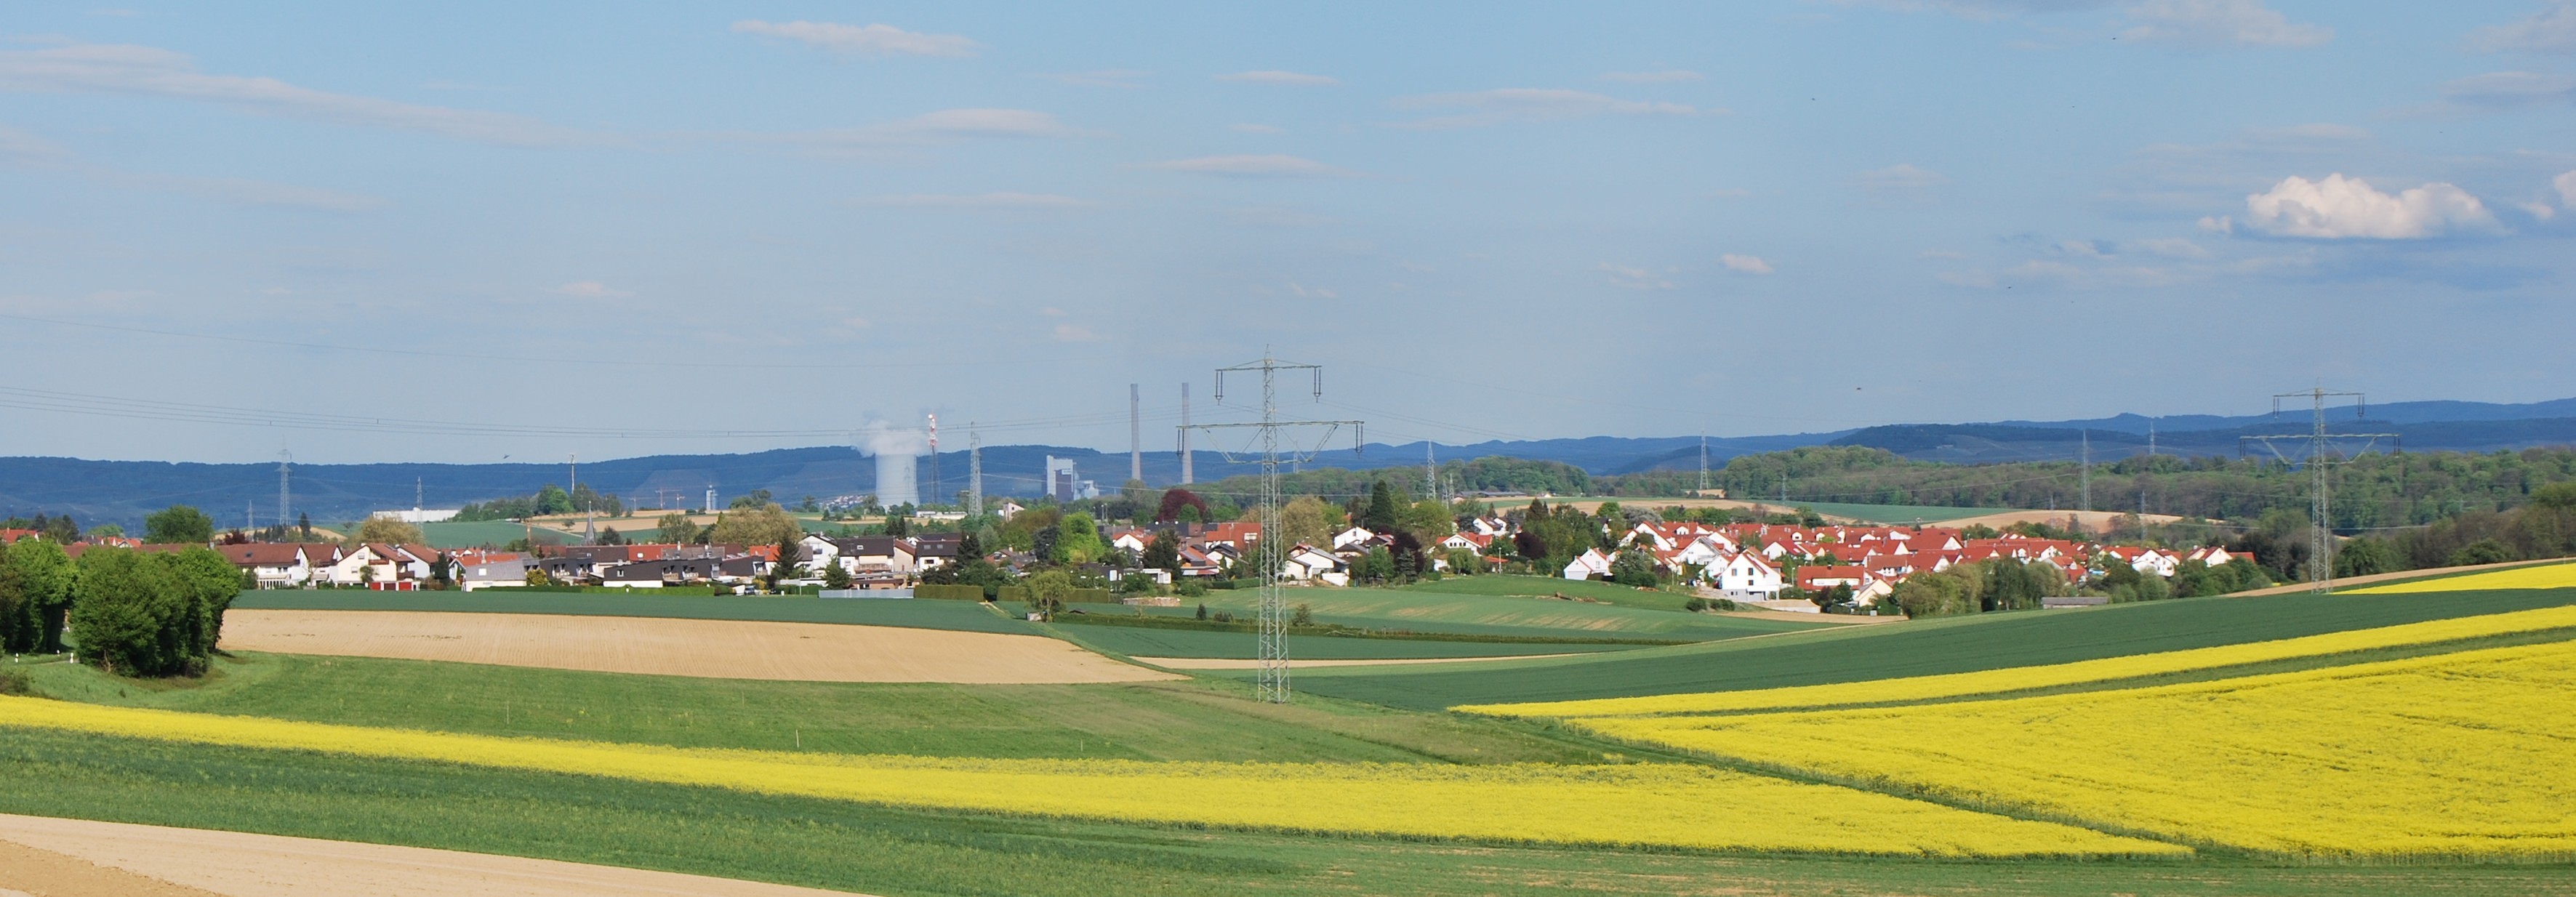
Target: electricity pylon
(1276, 446)
(2320, 537)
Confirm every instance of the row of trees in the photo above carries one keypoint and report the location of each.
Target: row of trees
(2372, 490)
(2543, 527)
(551, 499)
(128, 612)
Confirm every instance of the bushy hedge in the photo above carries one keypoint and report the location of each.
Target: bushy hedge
(949, 592)
(150, 614)
(1019, 594)
(1091, 596)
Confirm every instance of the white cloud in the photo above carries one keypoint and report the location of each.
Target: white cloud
(1634, 278)
(2220, 22)
(1530, 104)
(2538, 210)
(2174, 247)
(1100, 77)
(1898, 179)
(1259, 129)
(945, 126)
(1256, 166)
(2511, 89)
(2340, 207)
(22, 148)
(1980, 9)
(244, 191)
(1273, 76)
(590, 289)
(2092, 249)
(1667, 76)
(2219, 224)
(1001, 200)
(1074, 333)
(1274, 216)
(865, 40)
(1308, 292)
(2566, 184)
(2551, 30)
(1745, 264)
(149, 71)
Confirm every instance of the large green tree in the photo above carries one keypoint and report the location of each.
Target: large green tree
(675, 528)
(1077, 540)
(211, 583)
(1381, 515)
(39, 575)
(179, 525)
(768, 524)
(1163, 552)
(131, 616)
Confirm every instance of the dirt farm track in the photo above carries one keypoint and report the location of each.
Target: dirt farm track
(73, 858)
(721, 649)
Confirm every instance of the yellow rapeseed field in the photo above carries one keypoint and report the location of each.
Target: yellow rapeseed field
(2545, 576)
(1954, 685)
(1644, 804)
(2462, 754)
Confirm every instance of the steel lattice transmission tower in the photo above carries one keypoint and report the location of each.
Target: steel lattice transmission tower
(285, 461)
(1276, 444)
(2320, 443)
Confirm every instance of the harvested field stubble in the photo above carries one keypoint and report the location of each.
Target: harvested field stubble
(1646, 804)
(145, 861)
(722, 649)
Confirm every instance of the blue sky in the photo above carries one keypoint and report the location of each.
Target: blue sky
(627, 228)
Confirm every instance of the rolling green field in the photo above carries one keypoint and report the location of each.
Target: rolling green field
(1141, 642)
(893, 851)
(968, 616)
(1916, 648)
(1154, 721)
(1523, 616)
(1527, 586)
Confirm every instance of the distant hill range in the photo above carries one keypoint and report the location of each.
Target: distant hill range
(123, 491)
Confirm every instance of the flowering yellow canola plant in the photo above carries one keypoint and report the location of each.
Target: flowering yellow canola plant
(2461, 754)
(1955, 685)
(1646, 804)
(2545, 576)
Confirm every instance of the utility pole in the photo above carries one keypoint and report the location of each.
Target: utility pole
(1135, 434)
(2321, 543)
(2084, 478)
(938, 485)
(711, 498)
(974, 471)
(285, 459)
(1187, 475)
(1270, 556)
(589, 533)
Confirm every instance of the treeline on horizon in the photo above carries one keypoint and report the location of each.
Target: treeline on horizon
(2370, 491)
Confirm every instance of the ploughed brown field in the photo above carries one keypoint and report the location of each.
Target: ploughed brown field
(721, 649)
